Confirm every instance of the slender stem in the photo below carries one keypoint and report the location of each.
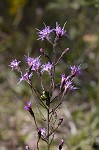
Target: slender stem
(48, 127)
(38, 143)
(51, 140)
(54, 51)
(57, 105)
(53, 131)
(33, 90)
(44, 119)
(66, 50)
(52, 85)
(46, 55)
(34, 120)
(32, 110)
(54, 99)
(41, 81)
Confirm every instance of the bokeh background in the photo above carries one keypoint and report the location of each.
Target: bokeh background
(18, 22)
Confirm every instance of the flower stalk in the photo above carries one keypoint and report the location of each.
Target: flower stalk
(46, 98)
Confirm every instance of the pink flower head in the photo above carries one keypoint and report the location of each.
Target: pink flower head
(42, 50)
(42, 132)
(44, 33)
(69, 86)
(29, 61)
(75, 70)
(61, 144)
(60, 31)
(63, 80)
(26, 77)
(15, 65)
(27, 147)
(34, 63)
(28, 106)
(46, 67)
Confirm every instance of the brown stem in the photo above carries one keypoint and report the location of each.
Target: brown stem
(38, 143)
(48, 122)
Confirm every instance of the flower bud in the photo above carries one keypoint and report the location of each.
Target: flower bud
(61, 144)
(27, 147)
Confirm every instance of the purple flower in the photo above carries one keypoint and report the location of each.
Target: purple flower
(15, 65)
(60, 31)
(26, 77)
(75, 70)
(61, 144)
(68, 86)
(28, 106)
(42, 132)
(27, 147)
(34, 63)
(29, 61)
(66, 83)
(46, 67)
(63, 80)
(42, 50)
(44, 33)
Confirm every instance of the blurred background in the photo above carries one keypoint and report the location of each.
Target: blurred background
(18, 37)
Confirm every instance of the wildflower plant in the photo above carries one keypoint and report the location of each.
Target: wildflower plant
(46, 97)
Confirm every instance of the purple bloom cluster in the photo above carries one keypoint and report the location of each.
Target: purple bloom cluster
(26, 77)
(66, 82)
(60, 31)
(15, 65)
(46, 67)
(75, 70)
(69, 86)
(33, 63)
(42, 132)
(45, 33)
(46, 97)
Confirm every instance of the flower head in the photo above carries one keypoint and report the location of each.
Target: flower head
(27, 147)
(42, 132)
(61, 144)
(44, 33)
(26, 77)
(15, 65)
(46, 67)
(63, 80)
(41, 50)
(29, 61)
(75, 70)
(34, 63)
(28, 106)
(60, 31)
(69, 86)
